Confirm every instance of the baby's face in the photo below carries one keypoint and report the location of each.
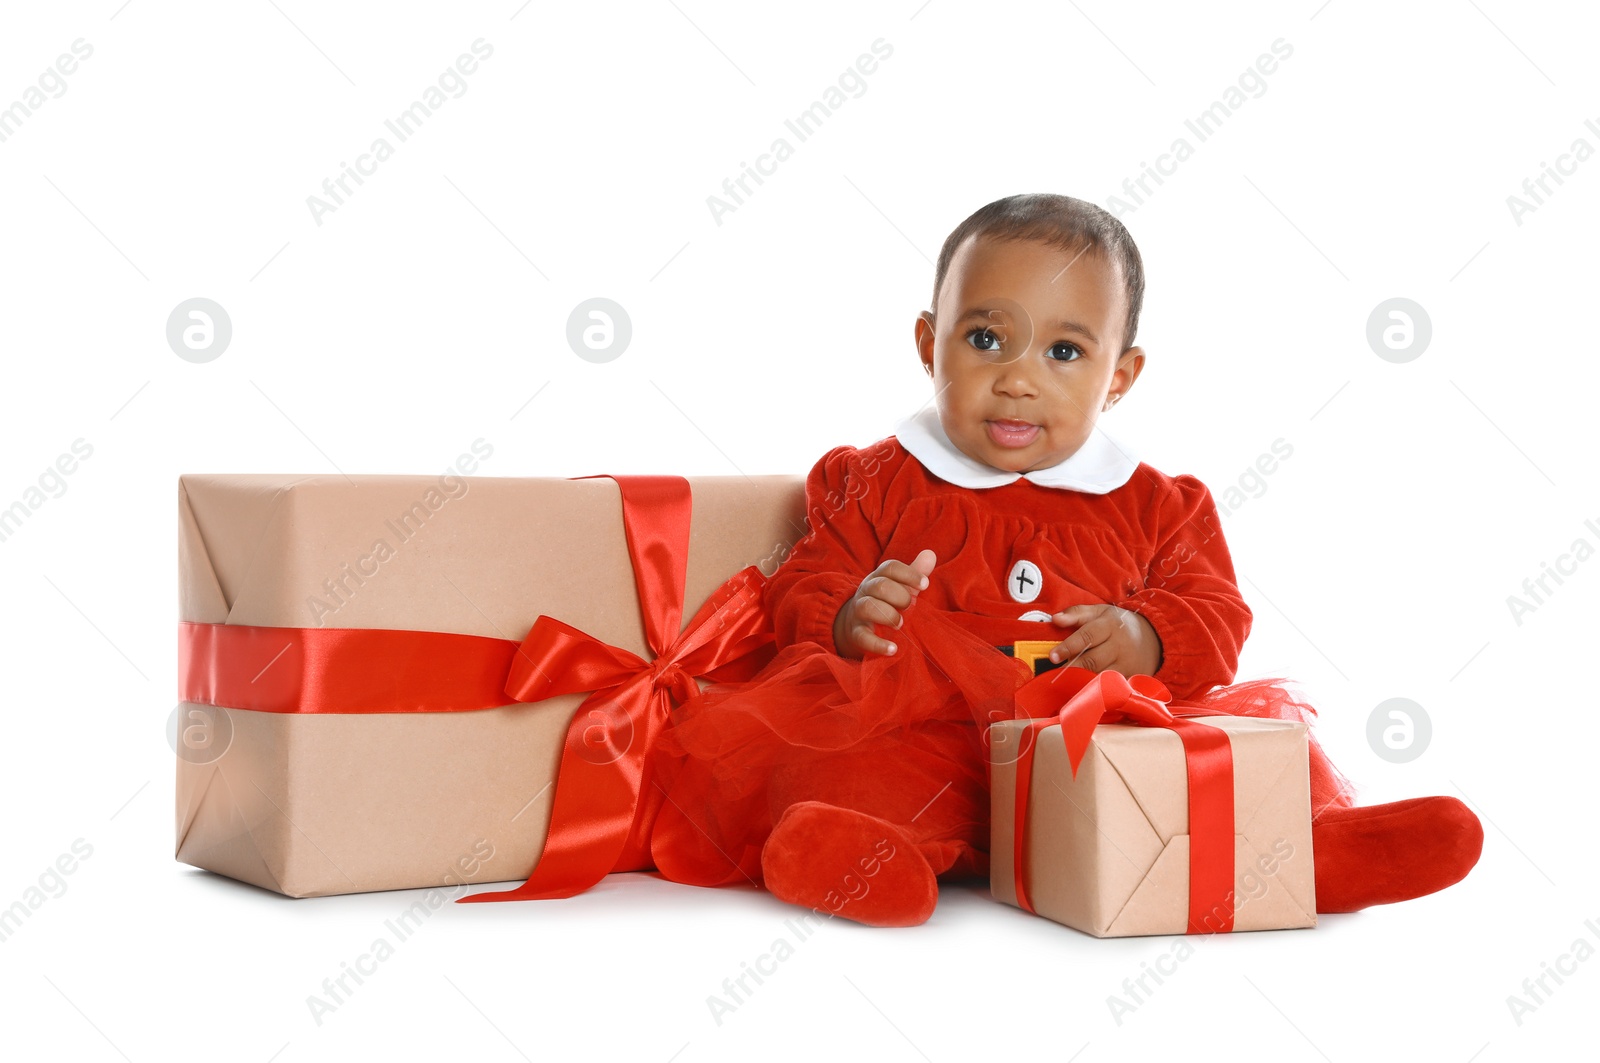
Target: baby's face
(1024, 346)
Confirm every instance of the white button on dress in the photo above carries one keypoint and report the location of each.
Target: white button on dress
(1025, 581)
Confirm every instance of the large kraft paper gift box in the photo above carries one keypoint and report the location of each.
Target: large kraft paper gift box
(312, 803)
(1106, 848)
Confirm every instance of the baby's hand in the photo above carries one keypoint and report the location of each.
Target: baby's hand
(1108, 639)
(891, 587)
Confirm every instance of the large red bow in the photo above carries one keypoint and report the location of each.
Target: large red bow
(599, 823)
(1080, 700)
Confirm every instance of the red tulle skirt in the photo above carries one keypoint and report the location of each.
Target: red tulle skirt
(901, 737)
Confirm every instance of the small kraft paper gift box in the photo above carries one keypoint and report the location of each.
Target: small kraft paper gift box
(1119, 816)
(391, 682)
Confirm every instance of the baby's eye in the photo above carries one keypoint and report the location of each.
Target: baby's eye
(979, 337)
(1072, 352)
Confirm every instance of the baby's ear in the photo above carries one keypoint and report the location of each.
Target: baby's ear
(1129, 365)
(923, 333)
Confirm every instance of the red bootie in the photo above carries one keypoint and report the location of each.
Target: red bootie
(1379, 854)
(842, 862)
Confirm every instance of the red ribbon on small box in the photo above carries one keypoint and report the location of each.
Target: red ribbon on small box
(1079, 700)
(603, 809)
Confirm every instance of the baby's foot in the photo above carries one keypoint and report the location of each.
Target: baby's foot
(1378, 854)
(838, 861)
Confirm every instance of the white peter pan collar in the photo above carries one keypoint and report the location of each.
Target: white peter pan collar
(1102, 464)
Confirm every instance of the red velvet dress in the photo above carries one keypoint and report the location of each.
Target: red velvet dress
(901, 736)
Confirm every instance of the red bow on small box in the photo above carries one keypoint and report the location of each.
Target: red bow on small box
(604, 808)
(1079, 700)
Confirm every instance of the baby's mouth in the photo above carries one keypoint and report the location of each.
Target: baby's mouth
(1010, 433)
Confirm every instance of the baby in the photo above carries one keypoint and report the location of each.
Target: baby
(851, 775)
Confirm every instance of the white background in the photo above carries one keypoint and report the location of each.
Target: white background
(431, 307)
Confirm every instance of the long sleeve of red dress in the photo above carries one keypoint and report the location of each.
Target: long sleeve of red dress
(1189, 593)
(841, 547)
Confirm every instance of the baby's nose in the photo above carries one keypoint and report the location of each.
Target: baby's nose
(1016, 379)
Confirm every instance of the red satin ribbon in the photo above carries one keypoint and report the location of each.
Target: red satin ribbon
(604, 807)
(340, 670)
(1092, 698)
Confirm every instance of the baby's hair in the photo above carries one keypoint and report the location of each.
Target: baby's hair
(1062, 222)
